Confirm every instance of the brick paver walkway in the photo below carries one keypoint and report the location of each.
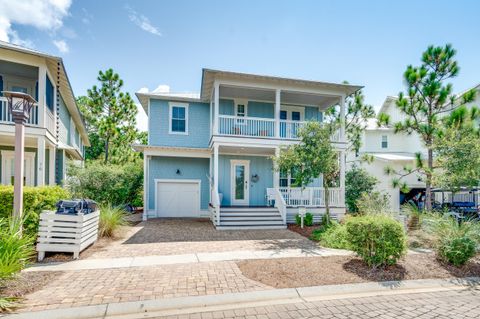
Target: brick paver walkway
(447, 304)
(175, 237)
(90, 287)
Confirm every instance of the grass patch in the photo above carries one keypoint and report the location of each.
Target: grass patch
(111, 219)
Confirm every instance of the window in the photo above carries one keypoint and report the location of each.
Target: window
(49, 93)
(241, 110)
(384, 141)
(19, 89)
(178, 118)
(286, 179)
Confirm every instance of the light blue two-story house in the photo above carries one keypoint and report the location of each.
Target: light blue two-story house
(210, 155)
(55, 131)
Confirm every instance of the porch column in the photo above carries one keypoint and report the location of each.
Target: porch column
(277, 113)
(342, 175)
(276, 173)
(145, 187)
(216, 108)
(210, 172)
(42, 87)
(40, 161)
(342, 118)
(215, 168)
(51, 165)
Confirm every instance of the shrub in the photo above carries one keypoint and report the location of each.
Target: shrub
(111, 218)
(454, 242)
(307, 220)
(15, 250)
(332, 236)
(357, 182)
(458, 250)
(373, 203)
(35, 199)
(379, 240)
(107, 184)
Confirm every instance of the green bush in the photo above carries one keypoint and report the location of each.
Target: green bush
(454, 242)
(307, 220)
(373, 203)
(357, 182)
(379, 240)
(457, 251)
(107, 184)
(332, 236)
(15, 250)
(35, 199)
(111, 219)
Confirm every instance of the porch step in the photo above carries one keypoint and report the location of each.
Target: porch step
(250, 218)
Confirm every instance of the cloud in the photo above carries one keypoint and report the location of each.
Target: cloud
(142, 21)
(87, 16)
(45, 15)
(61, 45)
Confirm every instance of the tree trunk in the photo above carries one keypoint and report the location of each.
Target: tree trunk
(428, 182)
(106, 149)
(327, 203)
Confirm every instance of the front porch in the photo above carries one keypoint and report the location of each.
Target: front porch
(251, 194)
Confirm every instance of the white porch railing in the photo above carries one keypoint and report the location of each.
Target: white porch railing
(289, 130)
(50, 122)
(246, 126)
(311, 196)
(6, 116)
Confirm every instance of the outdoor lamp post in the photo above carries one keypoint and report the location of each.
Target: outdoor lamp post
(19, 105)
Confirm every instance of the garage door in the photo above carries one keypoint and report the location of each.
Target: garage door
(178, 199)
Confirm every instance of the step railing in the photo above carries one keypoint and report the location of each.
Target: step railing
(310, 196)
(215, 214)
(280, 204)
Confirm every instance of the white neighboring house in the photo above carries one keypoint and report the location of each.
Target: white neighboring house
(396, 151)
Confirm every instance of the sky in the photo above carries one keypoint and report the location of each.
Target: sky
(166, 44)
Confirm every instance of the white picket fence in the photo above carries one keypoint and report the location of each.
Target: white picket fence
(66, 233)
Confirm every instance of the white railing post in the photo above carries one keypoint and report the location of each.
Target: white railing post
(40, 161)
(342, 118)
(216, 108)
(342, 177)
(42, 87)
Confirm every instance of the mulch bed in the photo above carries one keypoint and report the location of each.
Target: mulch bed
(26, 283)
(316, 271)
(306, 231)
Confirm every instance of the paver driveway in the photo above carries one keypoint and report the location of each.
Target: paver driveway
(185, 236)
(163, 237)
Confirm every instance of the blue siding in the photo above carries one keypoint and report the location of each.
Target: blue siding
(198, 125)
(260, 165)
(312, 114)
(261, 109)
(60, 161)
(190, 168)
(64, 116)
(227, 107)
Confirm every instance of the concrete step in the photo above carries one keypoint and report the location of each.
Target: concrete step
(252, 227)
(232, 214)
(245, 218)
(252, 223)
(247, 209)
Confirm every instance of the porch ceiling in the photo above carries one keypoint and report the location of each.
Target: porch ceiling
(262, 151)
(286, 97)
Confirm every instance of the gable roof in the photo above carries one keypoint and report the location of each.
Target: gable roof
(65, 86)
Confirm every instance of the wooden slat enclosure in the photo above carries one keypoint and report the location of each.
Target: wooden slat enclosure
(66, 233)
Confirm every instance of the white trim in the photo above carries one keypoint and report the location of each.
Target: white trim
(186, 181)
(29, 171)
(177, 104)
(246, 200)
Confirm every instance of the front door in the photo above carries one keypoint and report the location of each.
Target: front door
(240, 172)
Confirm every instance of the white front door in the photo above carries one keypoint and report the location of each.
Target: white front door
(240, 182)
(8, 168)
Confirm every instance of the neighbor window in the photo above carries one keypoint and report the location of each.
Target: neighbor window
(178, 119)
(287, 179)
(384, 141)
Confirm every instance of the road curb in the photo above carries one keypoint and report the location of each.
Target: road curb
(183, 305)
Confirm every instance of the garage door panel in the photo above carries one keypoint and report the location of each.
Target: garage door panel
(177, 199)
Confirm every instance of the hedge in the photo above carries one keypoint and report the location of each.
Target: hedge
(35, 199)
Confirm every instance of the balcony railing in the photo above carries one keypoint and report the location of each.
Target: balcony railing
(261, 127)
(6, 116)
(246, 126)
(311, 196)
(50, 122)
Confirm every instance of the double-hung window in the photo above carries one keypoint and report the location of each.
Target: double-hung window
(178, 118)
(384, 141)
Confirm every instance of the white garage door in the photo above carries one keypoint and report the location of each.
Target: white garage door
(178, 199)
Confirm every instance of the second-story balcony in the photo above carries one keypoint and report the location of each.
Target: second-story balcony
(262, 127)
(6, 116)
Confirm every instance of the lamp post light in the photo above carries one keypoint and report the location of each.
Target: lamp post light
(19, 105)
